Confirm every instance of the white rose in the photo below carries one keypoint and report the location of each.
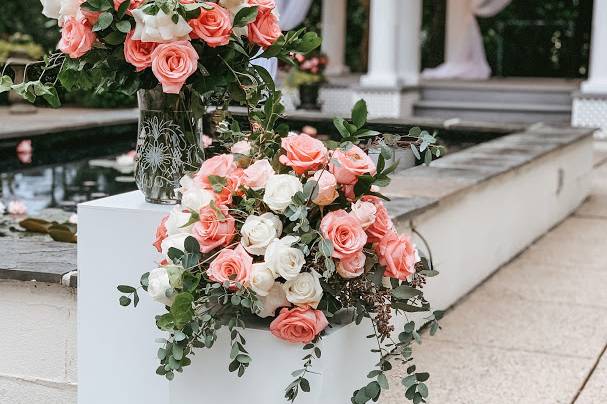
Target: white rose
(196, 198)
(275, 299)
(50, 8)
(280, 189)
(364, 212)
(304, 290)
(262, 279)
(283, 259)
(175, 241)
(159, 28)
(259, 231)
(176, 222)
(158, 285)
(243, 147)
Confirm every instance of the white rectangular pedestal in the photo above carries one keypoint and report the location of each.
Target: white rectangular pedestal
(116, 345)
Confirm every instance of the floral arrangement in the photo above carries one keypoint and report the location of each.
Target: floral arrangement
(309, 69)
(292, 232)
(128, 45)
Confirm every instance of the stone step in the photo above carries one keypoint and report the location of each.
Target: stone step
(512, 90)
(494, 111)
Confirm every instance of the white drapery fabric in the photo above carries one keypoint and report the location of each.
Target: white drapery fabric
(465, 51)
(292, 13)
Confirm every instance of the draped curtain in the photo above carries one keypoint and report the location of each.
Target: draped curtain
(465, 51)
(292, 13)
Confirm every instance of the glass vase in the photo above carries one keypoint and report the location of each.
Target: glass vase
(168, 144)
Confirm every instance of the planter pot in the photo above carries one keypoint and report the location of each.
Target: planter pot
(405, 158)
(168, 144)
(345, 362)
(308, 96)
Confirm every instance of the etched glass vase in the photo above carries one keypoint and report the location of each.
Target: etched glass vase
(168, 144)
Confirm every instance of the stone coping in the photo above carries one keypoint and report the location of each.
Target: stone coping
(412, 192)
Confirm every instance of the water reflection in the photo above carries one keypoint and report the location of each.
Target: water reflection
(65, 185)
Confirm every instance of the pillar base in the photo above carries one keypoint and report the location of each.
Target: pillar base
(590, 111)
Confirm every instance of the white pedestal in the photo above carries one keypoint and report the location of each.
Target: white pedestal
(116, 345)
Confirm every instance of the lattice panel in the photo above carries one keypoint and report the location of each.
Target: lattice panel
(591, 112)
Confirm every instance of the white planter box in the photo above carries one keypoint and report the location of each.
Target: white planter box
(116, 349)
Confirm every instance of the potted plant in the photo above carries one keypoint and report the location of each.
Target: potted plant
(308, 75)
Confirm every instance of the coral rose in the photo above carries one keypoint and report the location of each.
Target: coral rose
(353, 266)
(173, 63)
(397, 254)
(256, 176)
(345, 232)
(348, 165)
(138, 53)
(263, 4)
(161, 234)
(215, 228)
(382, 224)
(232, 266)
(77, 38)
(133, 5)
(303, 153)
(326, 188)
(218, 166)
(265, 30)
(299, 325)
(214, 26)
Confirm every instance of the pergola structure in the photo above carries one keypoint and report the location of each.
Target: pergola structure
(391, 85)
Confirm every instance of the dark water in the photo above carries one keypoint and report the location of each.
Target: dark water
(66, 169)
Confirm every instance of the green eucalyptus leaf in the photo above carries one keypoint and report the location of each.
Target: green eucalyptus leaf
(104, 21)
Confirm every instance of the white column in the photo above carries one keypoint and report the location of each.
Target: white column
(334, 20)
(383, 31)
(597, 79)
(409, 51)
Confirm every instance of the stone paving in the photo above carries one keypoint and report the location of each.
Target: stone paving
(536, 331)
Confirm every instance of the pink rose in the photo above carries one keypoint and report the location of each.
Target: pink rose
(303, 153)
(213, 26)
(263, 4)
(215, 228)
(345, 232)
(264, 31)
(257, 174)
(173, 63)
(382, 224)
(299, 325)
(206, 141)
(243, 147)
(161, 233)
(17, 208)
(219, 166)
(90, 16)
(134, 4)
(326, 188)
(397, 254)
(232, 266)
(138, 53)
(77, 38)
(352, 267)
(351, 164)
(364, 212)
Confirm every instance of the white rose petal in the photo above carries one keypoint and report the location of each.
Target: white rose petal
(158, 285)
(283, 259)
(243, 147)
(176, 222)
(176, 241)
(304, 290)
(275, 299)
(2, 208)
(259, 231)
(262, 279)
(159, 28)
(279, 191)
(196, 198)
(50, 8)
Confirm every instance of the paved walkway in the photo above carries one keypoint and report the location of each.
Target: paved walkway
(536, 331)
